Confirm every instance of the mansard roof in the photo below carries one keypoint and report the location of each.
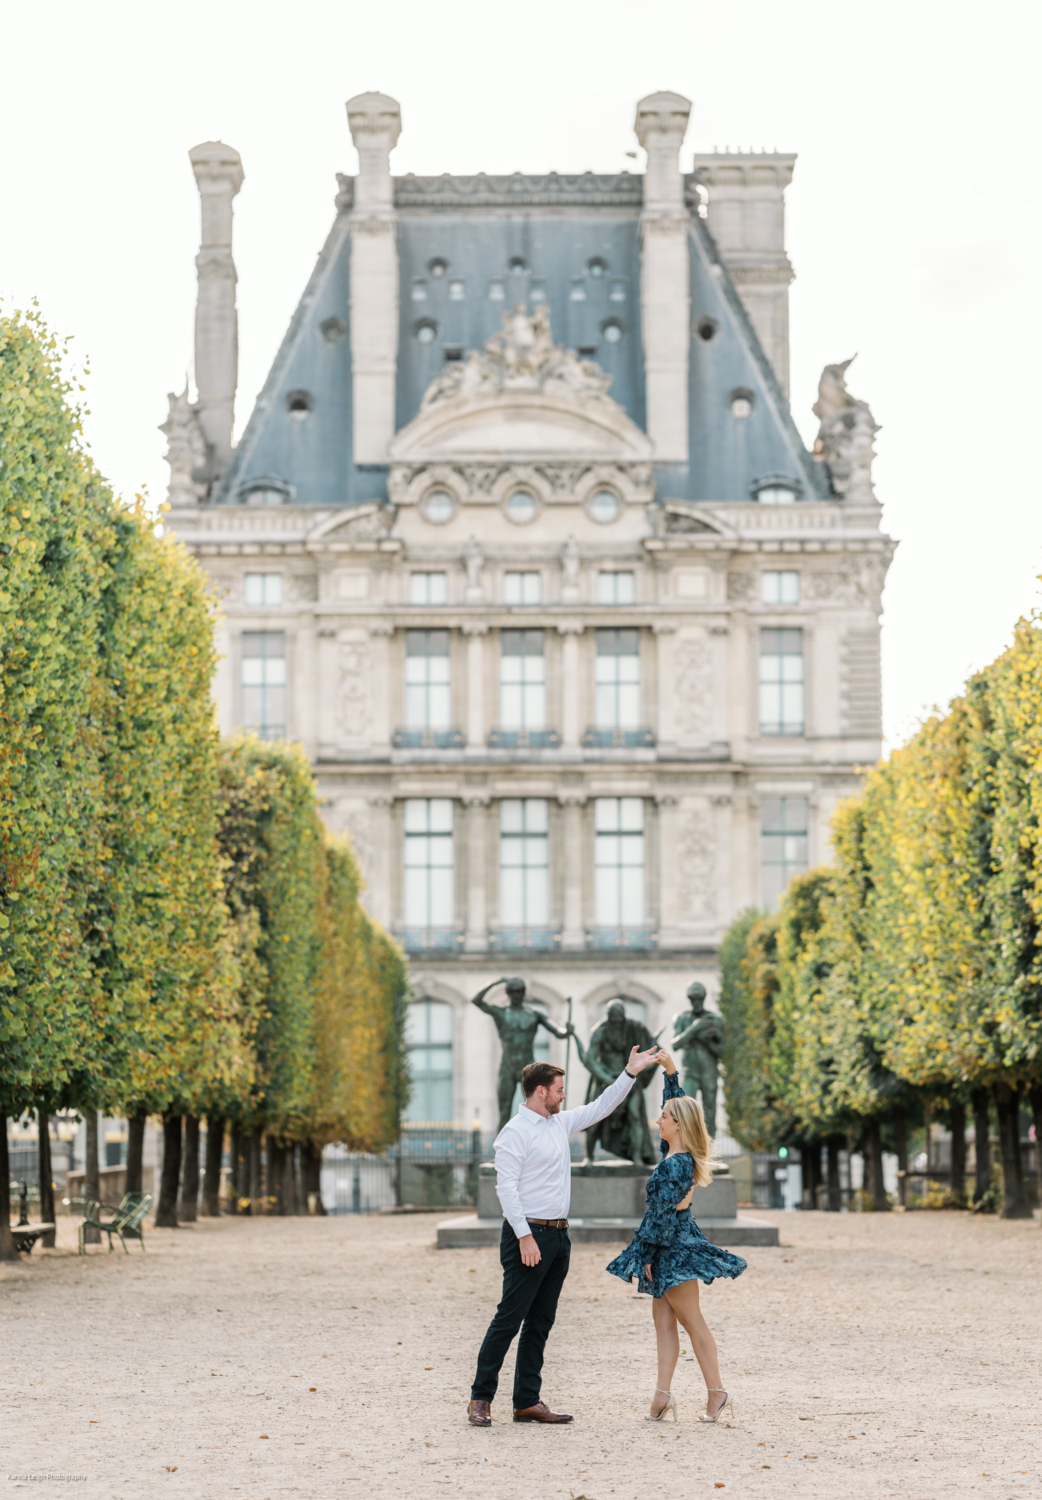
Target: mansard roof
(470, 248)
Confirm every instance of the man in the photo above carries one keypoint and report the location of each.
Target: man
(534, 1183)
(517, 1025)
(698, 1037)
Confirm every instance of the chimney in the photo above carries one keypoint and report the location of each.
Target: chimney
(665, 294)
(219, 175)
(375, 123)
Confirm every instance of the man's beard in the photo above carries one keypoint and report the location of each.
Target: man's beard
(554, 1109)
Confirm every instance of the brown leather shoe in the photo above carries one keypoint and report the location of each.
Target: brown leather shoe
(479, 1413)
(540, 1412)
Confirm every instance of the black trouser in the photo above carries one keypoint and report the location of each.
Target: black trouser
(530, 1296)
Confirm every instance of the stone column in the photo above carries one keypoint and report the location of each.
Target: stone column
(475, 634)
(476, 940)
(375, 123)
(665, 295)
(571, 694)
(665, 726)
(573, 935)
(378, 897)
(305, 685)
(219, 175)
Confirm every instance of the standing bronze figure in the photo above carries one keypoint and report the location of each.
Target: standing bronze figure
(517, 1025)
(698, 1036)
(624, 1133)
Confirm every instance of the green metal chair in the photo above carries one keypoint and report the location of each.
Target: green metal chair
(127, 1220)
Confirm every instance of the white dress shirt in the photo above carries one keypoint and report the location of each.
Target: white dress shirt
(533, 1162)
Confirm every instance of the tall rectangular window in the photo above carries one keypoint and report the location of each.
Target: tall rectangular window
(264, 683)
(781, 681)
(428, 1036)
(779, 588)
(427, 686)
(522, 588)
(428, 588)
(524, 862)
(263, 589)
(619, 861)
(617, 679)
(783, 844)
(616, 588)
(429, 887)
(522, 680)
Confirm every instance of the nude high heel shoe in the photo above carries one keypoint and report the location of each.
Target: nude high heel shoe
(728, 1405)
(671, 1405)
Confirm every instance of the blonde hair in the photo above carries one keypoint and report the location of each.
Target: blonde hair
(694, 1137)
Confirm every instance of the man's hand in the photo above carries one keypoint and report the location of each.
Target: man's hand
(638, 1061)
(530, 1253)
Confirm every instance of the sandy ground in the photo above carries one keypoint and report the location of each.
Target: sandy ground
(869, 1356)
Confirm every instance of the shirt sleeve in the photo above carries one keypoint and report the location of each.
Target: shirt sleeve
(589, 1114)
(510, 1158)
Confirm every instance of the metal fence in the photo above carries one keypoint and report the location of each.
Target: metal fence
(432, 1166)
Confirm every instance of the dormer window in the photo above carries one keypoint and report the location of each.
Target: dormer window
(597, 266)
(457, 291)
(438, 266)
(495, 290)
(741, 405)
(426, 331)
(776, 489)
(612, 331)
(265, 489)
(419, 290)
(518, 265)
(299, 404)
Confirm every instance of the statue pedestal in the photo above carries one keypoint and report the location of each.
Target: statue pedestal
(607, 1205)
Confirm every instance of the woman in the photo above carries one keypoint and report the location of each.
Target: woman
(670, 1255)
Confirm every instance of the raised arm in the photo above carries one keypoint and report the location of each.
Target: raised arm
(555, 1030)
(482, 1004)
(593, 1065)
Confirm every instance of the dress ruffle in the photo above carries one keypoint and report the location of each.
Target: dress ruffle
(668, 1239)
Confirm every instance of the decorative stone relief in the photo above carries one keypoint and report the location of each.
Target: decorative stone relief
(740, 587)
(354, 684)
(522, 356)
(696, 861)
(302, 587)
(185, 452)
(858, 581)
(845, 437)
(473, 561)
(692, 685)
(353, 818)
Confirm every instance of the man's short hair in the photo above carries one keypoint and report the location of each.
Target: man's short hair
(539, 1076)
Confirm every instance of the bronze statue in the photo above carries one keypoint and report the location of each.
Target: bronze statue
(698, 1035)
(625, 1132)
(517, 1025)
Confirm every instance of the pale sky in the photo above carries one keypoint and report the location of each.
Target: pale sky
(913, 217)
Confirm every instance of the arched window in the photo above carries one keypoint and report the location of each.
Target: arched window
(428, 1035)
(636, 1010)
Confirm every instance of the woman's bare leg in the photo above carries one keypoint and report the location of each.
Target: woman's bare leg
(683, 1300)
(667, 1341)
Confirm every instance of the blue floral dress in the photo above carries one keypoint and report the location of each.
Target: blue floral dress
(668, 1239)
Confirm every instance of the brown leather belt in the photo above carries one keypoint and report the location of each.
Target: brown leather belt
(550, 1223)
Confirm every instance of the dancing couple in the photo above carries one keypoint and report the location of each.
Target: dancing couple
(669, 1255)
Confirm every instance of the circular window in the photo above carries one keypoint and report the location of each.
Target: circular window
(426, 331)
(741, 404)
(522, 507)
(706, 328)
(299, 405)
(439, 507)
(517, 265)
(597, 267)
(612, 331)
(332, 330)
(437, 266)
(604, 506)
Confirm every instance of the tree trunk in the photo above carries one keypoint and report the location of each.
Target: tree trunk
(311, 1172)
(43, 1130)
(166, 1209)
(981, 1103)
(7, 1249)
(958, 1175)
(211, 1204)
(189, 1206)
(300, 1202)
(91, 1180)
(276, 1170)
(235, 1155)
(256, 1186)
(832, 1159)
(1035, 1096)
(1014, 1199)
(874, 1164)
(135, 1151)
(901, 1147)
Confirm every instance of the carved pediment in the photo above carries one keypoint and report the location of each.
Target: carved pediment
(521, 397)
(361, 523)
(680, 518)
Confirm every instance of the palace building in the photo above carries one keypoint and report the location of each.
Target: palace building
(522, 544)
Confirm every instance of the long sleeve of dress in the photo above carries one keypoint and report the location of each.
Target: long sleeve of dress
(670, 1090)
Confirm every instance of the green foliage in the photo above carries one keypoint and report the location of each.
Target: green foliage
(748, 989)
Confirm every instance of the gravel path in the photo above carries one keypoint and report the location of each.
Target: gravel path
(890, 1355)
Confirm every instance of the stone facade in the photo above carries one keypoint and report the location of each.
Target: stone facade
(573, 714)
